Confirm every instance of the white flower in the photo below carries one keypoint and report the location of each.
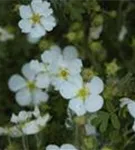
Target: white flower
(63, 147)
(65, 65)
(27, 92)
(22, 117)
(95, 32)
(36, 125)
(56, 66)
(14, 131)
(122, 33)
(130, 106)
(5, 35)
(37, 18)
(83, 96)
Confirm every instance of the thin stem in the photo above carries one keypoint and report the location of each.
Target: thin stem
(9, 140)
(76, 142)
(38, 141)
(129, 141)
(24, 143)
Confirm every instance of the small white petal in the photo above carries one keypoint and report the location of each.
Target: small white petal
(52, 147)
(23, 116)
(42, 121)
(23, 97)
(67, 147)
(41, 8)
(31, 128)
(52, 55)
(96, 85)
(37, 31)
(37, 66)
(25, 11)
(15, 132)
(39, 96)
(36, 112)
(94, 103)
(43, 80)
(70, 52)
(125, 101)
(76, 80)
(131, 108)
(133, 127)
(14, 119)
(49, 23)
(28, 72)
(77, 106)
(32, 40)
(25, 25)
(68, 90)
(75, 66)
(16, 82)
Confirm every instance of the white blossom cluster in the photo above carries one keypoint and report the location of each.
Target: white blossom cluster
(26, 123)
(60, 69)
(57, 68)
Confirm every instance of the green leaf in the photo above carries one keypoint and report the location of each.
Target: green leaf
(115, 121)
(110, 107)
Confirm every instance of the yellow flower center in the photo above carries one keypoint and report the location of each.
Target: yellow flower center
(64, 74)
(83, 93)
(36, 18)
(30, 85)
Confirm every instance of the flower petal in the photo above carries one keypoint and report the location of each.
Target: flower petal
(96, 85)
(28, 72)
(15, 132)
(23, 97)
(133, 127)
(39, 96)
(37, 31)
(75, 66)
(25, 11)
(52, 147)
(67, 147)
(68, 90)
(43, 80)
(131, 108)
(125, 101)
(70, 52)
(16, 82)
(94, 103)
(52, 55)
(77, 106)
(25, 25)
(31, 128)
(37, 66)
(41, 8)
(49, 23)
